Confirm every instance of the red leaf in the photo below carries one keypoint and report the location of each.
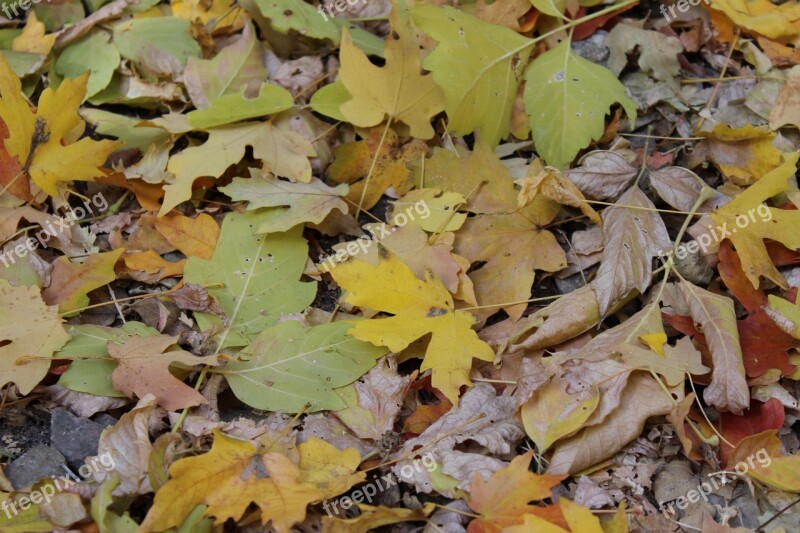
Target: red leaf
(730, 270)
(764, 345)
(760, 417)
(584, 30)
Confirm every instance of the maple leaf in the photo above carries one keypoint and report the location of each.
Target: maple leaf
(373, 517)
(33, 38)
(380, 169)
(195, 237)
(28, 327)
(749, 240)
(35, 140)
(284, 153)
(234, 474)
(510, 242)
(69, 282)
(289, 204)
(420, 307)
(504, 499)
(144, 369)
(742, 154)
(398, 90)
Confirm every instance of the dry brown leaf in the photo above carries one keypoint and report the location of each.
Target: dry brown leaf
(679, 187)
(602, 174)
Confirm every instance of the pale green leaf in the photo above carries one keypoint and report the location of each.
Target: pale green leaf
(329, 100)
(259, 277)
(554, 8)
(91, 371)
(478, 66)
(92, 53)
(158, 45)
(288, 366)
(567, 98)
(235, 107)
(288, 204)
(124, 128)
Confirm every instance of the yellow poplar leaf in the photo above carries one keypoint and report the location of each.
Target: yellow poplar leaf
(781, 225)
(761, 16)
(218, 11)
(419, 307)
(35, 140)
(656, 342)
(354, 162)
(195, 237)
(70, 282)
(28, 327)
(552, 413)
(33, 38)
(234, 474)
(398, 90)
(504, 500)
(742, 154)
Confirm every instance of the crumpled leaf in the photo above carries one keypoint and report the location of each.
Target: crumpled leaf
(144, 369)
(28, 327)
(567, 98)
(287, 367)
(556, 187)
(420, 307)
(715, 314)
(397, 91)
(256, 273)
(234, 474)
(633, 237)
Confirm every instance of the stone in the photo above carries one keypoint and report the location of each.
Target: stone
(39, 462)
(75, 437)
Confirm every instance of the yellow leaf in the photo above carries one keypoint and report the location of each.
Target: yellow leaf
(218, 12)
(420, 307)
(579, 518)
(195, 237)
(33, 38)
(553, 185)
(552, 413)
(373, 517)
(234, 474)
(36, 140)
(761, 223)
(742, 154)
(761, 16)
(504, 500)
(398, 90)
(656, 342)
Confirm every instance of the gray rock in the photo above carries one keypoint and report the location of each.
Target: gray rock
(37, 463)
(593, 48)
(73, 436)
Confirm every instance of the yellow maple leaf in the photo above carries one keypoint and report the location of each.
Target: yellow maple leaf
(219, 13)
(234, 474)
(742, 154)
(762, 16)
(398, 90)
(355, 161)
(552, 184)
(33, 38)
(746, 222)
(420, 307)
(35, 140)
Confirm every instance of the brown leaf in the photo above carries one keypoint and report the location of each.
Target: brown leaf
(715, 314)
(679, 187)
(602, 174)
(144, 369)
(633, 237)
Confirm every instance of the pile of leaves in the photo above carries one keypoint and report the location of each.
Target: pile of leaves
(287, 252)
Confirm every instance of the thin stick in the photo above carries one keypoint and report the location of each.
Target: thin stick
(372, 167)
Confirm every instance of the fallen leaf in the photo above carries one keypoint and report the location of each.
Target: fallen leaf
(602, 174)
(70, 282)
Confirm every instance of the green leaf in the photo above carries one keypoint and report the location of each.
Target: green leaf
(93, 375)
(329, 100)
(478, 66)
(124, 128)
(288, 366)
(160, 46)
(235, 107)
(554, 8)
(91, 53)
(259, 277)
(297, 15)
(567, 98)
(288, 204)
